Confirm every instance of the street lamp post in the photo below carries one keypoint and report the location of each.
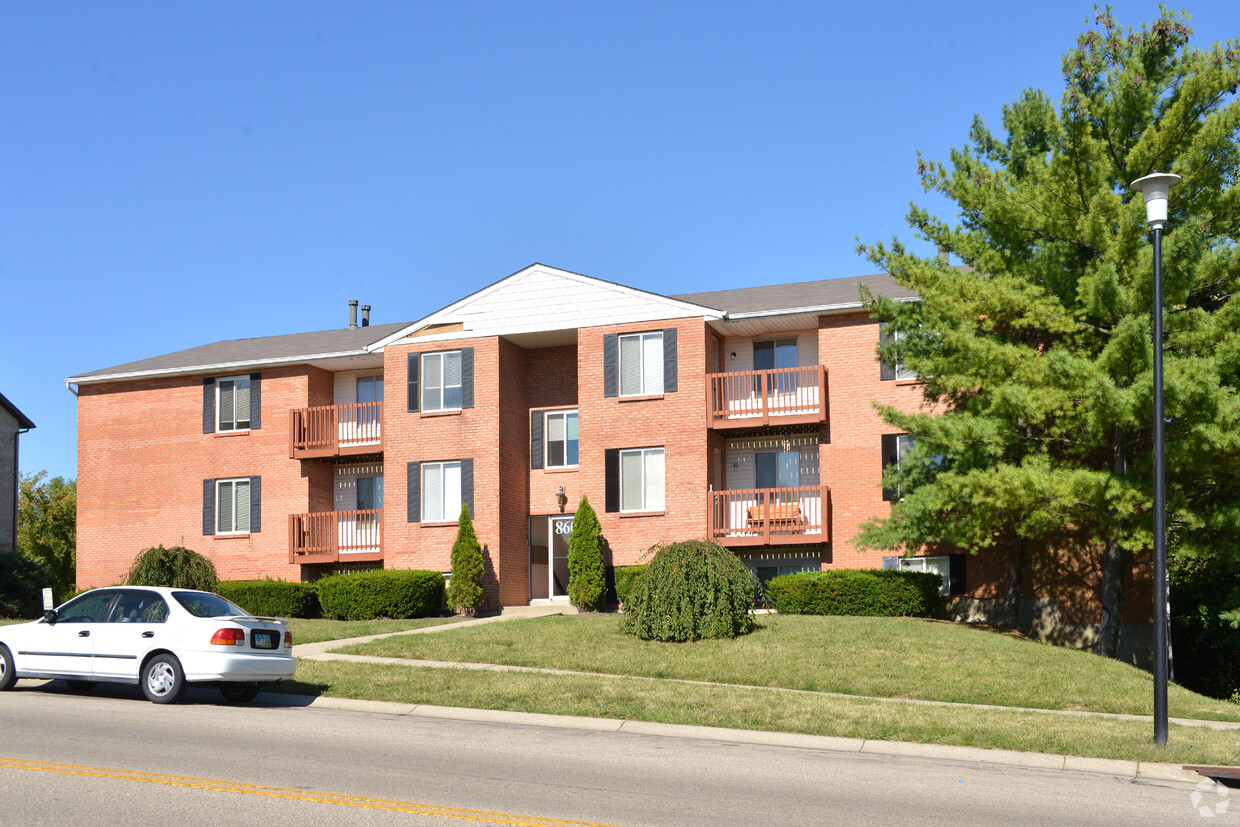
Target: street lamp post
(1155, 188)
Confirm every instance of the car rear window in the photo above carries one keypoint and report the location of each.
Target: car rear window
(202, 604)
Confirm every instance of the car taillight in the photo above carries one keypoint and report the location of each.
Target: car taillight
(288, 640)
(228, 637)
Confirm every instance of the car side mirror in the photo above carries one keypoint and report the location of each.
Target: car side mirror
(50, 615)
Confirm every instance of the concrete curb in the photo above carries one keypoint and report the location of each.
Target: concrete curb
(1143, 771)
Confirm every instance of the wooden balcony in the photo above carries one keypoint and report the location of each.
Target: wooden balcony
(758, 398)
(335, 536)
(336, 430)
(770, 516)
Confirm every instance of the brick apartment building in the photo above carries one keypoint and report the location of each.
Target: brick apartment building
(742, 415)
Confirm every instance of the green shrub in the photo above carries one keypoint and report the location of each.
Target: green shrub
(465, 587)
(176, 567)
(692, 590)
(1206, 644)
(22, 581)
(626, 581)
(272, 598)
(587, 578)
(867, 592)
(381, 594)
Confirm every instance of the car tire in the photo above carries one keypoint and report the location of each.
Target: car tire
(8, 675)
(163, 681)
(81, 686)
(239, 693)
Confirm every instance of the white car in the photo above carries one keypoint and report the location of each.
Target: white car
(161, 639)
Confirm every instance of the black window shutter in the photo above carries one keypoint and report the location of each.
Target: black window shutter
(467, 484)
(536, 439)
(669, 360)
(467, 379)
(887, 370)
(413, 503)
(611, 479)
(256, 401)
(955, 563)
(256, 503)
(890, 457)
(208, 507)
(208, 406)
(609, 364)
(891, 564)
(414, 403)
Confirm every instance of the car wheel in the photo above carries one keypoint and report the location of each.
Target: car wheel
(163, 682)
(8, 676)
(81, 686)
(239, 693)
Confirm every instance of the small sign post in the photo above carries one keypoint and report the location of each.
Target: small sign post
(47, 600)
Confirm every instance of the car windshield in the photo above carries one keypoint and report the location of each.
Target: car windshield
(202, 604)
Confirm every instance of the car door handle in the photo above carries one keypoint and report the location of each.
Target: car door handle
(84, 633)
(148, 634)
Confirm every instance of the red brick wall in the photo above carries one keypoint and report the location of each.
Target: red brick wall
(513, 489)
(142, 458)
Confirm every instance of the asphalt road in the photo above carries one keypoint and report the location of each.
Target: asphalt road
(108, 757)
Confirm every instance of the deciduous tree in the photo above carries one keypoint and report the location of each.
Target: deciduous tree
(47, 526)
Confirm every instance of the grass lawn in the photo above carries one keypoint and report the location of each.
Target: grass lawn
(884, 657)
(314, 631)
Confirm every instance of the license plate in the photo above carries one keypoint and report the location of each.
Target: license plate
(264, 640)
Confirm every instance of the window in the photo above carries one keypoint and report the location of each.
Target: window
(139, 607)
(561, 430)
(895, 370)
(901, 371)
(641, 364)
(949, 568)
(232, 506)
(369, 493)
(441, 381)
(777, 353)
(369, 389)
(894, 448)
(641, 480)
(441, 491)
(232, 404)
(778, 469)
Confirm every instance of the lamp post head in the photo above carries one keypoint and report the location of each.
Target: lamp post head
(1155, 188)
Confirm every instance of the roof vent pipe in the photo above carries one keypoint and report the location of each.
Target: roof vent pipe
(365, 315)
(352, 314)
(943, 253)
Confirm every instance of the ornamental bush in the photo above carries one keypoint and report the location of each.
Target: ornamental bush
(465, 587)
(22, 581)
(692, 590)
(627, 578)
(176, 567)
(868, 592)
(272, 598)
(587, 579)
(370, 595)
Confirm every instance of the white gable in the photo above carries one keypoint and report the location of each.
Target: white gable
(541, 299)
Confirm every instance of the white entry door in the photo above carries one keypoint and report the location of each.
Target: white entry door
(549, 557)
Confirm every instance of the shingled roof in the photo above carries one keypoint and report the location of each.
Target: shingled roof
(23, 421)
(804, 296)
(233, 354)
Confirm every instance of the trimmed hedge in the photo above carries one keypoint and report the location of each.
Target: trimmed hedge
(866, 592)
(370, 595)
(272, 598)
(626, 580)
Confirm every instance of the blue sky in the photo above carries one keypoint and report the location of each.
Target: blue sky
(173, 174)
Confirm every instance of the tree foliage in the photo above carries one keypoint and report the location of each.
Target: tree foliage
(465, 587)
(587, 580)
(692, 590)
(1038, 354)
(177, 567)
(47, 526)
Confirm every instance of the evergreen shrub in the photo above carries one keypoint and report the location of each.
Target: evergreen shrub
(1206, 644)
(176, 567)
(465, 587)
(867, 592)
(626, 580)
(395, 594)
(692, 590)
(22, 581)
(272, 598)
(587, 577)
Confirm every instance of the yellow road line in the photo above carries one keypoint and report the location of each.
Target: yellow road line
(296, 795)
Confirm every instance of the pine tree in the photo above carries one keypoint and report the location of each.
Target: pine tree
(465, 587)
(587, 582)
(1037, 355)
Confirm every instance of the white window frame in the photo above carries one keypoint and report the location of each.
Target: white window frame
(565, 414)
(443, 514)
(220, 495)
(219, 420)
(650, 500)
(433, 405)
(939, 564)
(647, 385)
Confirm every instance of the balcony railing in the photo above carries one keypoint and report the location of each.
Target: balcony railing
(332, 536)
(770, 516)
(333, 430)
(755, 398)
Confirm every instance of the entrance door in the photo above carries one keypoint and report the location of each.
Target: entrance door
(549, 557)
(778, 469)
